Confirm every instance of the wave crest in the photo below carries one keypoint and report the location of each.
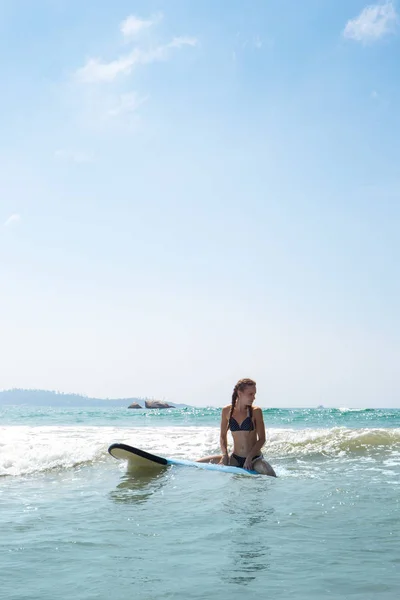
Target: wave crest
(337, 441)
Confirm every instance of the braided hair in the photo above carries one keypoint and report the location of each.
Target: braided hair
(241, 385)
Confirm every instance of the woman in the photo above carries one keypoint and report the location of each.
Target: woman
(246, 424)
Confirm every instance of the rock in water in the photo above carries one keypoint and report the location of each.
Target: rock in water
(157, 404)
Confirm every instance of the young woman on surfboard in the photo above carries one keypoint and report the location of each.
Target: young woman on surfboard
(246, 424)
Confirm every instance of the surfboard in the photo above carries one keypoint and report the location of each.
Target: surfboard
(140, 459)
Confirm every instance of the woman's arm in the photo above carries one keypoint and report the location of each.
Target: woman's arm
(223, 438)
(260, 431)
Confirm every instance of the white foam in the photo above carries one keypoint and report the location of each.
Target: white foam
(346, 409)
(25, 450)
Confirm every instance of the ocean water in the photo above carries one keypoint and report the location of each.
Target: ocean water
(75, 523)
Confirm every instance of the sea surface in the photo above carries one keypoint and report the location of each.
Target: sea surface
(74, 523)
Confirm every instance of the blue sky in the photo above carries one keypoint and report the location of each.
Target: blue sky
(195, 192)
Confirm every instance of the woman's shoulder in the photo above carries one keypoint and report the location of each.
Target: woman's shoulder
(257, 409)
(226, 408)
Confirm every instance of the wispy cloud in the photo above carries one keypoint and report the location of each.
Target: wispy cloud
(73, 156)
(372, 23)
(97, 71)
(12, 220)
(244, 43)
(178, 42)
(127, 103)
(103, 87)
(133, 26)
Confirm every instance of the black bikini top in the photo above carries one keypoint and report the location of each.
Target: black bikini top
(246, 425)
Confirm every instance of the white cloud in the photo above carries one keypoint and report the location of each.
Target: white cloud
(372, 23)
(73, 156)
(96, 71)
(15, 218)
(178, 42)
(127, 103)
(116, 105)
(132, 26)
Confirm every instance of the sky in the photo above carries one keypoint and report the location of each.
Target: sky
(196, 192)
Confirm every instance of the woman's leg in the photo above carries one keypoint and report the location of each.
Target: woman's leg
(214, 459)
(263, 467)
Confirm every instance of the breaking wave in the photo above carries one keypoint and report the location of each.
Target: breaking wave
(29, 450)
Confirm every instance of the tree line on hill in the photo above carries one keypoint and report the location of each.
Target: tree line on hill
(55, 398)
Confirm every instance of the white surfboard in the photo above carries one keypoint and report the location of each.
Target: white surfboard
(140, 459)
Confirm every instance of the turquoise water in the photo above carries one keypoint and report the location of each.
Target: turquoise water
(75, 523)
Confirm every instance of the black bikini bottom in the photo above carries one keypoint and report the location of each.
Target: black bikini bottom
(242, 459)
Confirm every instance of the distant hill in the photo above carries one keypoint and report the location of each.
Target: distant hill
(51, 398)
